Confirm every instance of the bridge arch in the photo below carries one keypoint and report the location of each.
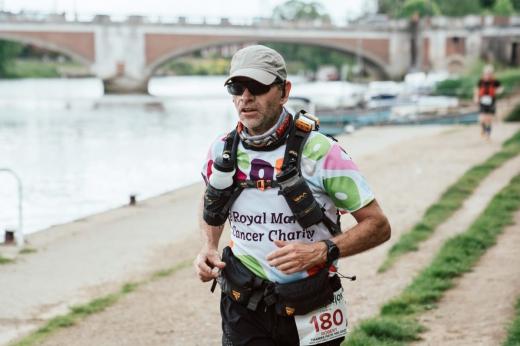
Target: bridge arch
(373, 60)
(48, 45)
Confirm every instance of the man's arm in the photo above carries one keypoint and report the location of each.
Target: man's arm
(475, 94)
(208, 262)
(371, 230)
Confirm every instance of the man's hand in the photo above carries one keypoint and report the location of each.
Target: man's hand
(295, 257)
(208, 264)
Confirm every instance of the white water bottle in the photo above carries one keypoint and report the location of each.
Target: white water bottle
(222, 172)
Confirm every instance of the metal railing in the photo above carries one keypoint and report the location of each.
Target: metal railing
(19, 236)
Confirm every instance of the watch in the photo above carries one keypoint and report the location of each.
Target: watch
(332, 250)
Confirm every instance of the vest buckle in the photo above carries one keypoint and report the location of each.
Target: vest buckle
(261, 185)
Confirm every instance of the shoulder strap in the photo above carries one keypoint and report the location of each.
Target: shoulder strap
(231, 145)
(295, 144)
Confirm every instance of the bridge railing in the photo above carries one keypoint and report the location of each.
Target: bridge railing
(367, 23)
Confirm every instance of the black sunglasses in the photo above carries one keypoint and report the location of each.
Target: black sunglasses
(237, 88)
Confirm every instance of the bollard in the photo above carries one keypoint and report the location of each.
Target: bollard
(18, 236)
(132, 200)
(9, 237)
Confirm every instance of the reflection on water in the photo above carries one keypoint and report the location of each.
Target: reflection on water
(79, 153)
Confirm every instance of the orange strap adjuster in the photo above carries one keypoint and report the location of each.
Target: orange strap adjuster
(262, 184)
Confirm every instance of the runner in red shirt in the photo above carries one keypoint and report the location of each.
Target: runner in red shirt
(485, 94)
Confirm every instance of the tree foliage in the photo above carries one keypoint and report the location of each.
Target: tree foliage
(453, 8)
(503, 8)
(421, 7)
(487, 4)
(459, 8)
(390, 7)
(298, 10)
(8, 52)
(311, 57)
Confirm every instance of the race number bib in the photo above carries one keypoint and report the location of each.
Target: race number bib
(486, 100)
(324, 324)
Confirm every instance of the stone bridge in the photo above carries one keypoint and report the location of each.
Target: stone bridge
(125, 54)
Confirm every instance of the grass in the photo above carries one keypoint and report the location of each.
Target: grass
(80, 312)
(4, 260)
(450, 201)
(37, 68)
(463, 86)
(24, 251)
(514, 115)
(513, 335)
(27, 250)
(397, 322)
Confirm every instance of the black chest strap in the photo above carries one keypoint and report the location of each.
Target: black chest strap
(291, 163)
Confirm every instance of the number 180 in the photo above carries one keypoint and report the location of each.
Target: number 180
(324, 321)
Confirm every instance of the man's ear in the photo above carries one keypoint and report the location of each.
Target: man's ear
(286, 89)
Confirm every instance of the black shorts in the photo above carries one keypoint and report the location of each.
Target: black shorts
(488, 109)
(263, 327)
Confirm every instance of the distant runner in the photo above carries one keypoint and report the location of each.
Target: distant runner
(486, 94)
(281, 186)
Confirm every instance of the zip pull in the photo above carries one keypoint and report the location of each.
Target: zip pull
(351, 278)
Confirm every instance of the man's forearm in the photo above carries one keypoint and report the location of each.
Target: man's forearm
(371, 230)
(211, 234)
(208, 262)
(367, 234)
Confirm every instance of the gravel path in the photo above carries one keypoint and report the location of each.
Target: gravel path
(409, 168)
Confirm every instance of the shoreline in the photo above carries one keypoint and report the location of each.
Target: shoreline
(44, 232)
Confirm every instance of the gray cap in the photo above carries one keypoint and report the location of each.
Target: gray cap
(258, 62)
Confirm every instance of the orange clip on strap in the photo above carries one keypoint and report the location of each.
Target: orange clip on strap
(260, 185)
(302, 125)
(307, 122)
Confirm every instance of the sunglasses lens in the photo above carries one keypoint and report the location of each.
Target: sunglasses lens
(258, 89)
(237, 88)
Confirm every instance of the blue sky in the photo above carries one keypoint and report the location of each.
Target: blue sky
(339, 10)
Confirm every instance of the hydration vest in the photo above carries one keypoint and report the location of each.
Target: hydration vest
(292, 185)
(487, 88)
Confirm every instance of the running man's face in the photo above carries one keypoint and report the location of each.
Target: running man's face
(258, 113)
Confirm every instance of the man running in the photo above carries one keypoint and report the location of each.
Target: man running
(281, 186)
(486, 94)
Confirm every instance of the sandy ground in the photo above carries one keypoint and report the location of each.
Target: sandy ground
(478, 310)
(408, 167)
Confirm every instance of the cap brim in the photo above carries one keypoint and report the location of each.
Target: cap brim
(261, 76)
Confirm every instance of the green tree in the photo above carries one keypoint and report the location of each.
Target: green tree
(294, 10)
(422, 7)
(487, 4)
(516, 4)
(8, 52)
(390, 7)
(459, 8)
(503, 8)
(309, 57)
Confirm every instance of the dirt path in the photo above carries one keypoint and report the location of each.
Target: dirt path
(382, 287)
(407, 175)
(479, 308)
(81, 260)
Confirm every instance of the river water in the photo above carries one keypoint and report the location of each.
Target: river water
(78, 152)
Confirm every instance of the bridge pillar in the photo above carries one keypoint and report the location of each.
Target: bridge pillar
(120, 58)
(125, 85)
